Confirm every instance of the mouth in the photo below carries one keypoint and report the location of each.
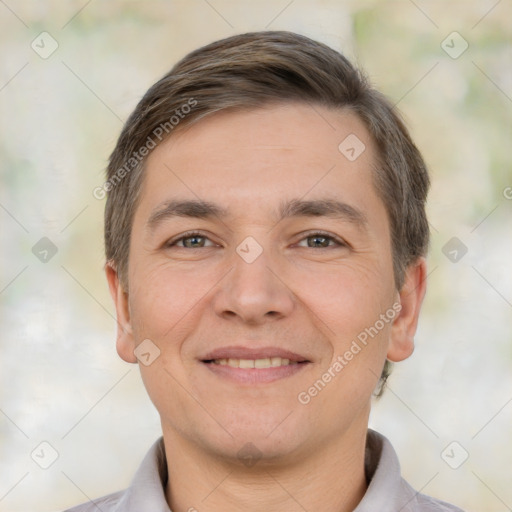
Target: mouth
(253, 366)
(266, 362)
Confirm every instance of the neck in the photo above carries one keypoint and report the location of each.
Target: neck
(330, 479)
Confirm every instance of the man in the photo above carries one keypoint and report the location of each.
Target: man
(265, 237)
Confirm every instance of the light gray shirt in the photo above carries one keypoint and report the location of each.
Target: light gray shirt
(387, 490)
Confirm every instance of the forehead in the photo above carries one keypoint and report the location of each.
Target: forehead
(256, 158)
(302, 129)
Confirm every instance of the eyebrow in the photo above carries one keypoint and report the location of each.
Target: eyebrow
(199, 209)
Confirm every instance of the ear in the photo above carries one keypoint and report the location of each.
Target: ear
(411, 297)
(125, 342)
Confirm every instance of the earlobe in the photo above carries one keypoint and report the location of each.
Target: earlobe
(125, 343)
(411, 297)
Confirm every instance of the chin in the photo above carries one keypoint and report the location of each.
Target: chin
(262, 451)
(266, 438)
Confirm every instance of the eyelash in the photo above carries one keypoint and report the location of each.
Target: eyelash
(191, 234)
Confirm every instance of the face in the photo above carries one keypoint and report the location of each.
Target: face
(270, 307)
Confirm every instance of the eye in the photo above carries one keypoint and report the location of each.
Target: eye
(322, 240)
(196, 240)
(190, 240)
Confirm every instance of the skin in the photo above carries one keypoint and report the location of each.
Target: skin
(313, 300)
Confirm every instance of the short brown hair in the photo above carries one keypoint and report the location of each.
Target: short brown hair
(258, 69)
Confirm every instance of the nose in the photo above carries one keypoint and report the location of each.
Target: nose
(255, 292)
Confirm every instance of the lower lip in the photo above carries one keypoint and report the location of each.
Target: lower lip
(255, 375)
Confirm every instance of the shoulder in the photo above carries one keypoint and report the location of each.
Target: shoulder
(387, 488)
(418, 502)
(428, 504)
(106, 503)
(146, 491)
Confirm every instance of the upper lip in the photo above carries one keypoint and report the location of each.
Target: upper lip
(239, 352)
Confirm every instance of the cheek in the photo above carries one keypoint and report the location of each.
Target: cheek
(166, 301)
(348, 297)
(166, 309)
(350, 302)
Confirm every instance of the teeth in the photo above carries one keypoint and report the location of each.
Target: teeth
(268, 362)
(262, 363)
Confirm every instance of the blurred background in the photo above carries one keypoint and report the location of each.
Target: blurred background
(70, 74)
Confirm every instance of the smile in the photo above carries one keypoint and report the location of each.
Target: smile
(254, 372)
(267, 362)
